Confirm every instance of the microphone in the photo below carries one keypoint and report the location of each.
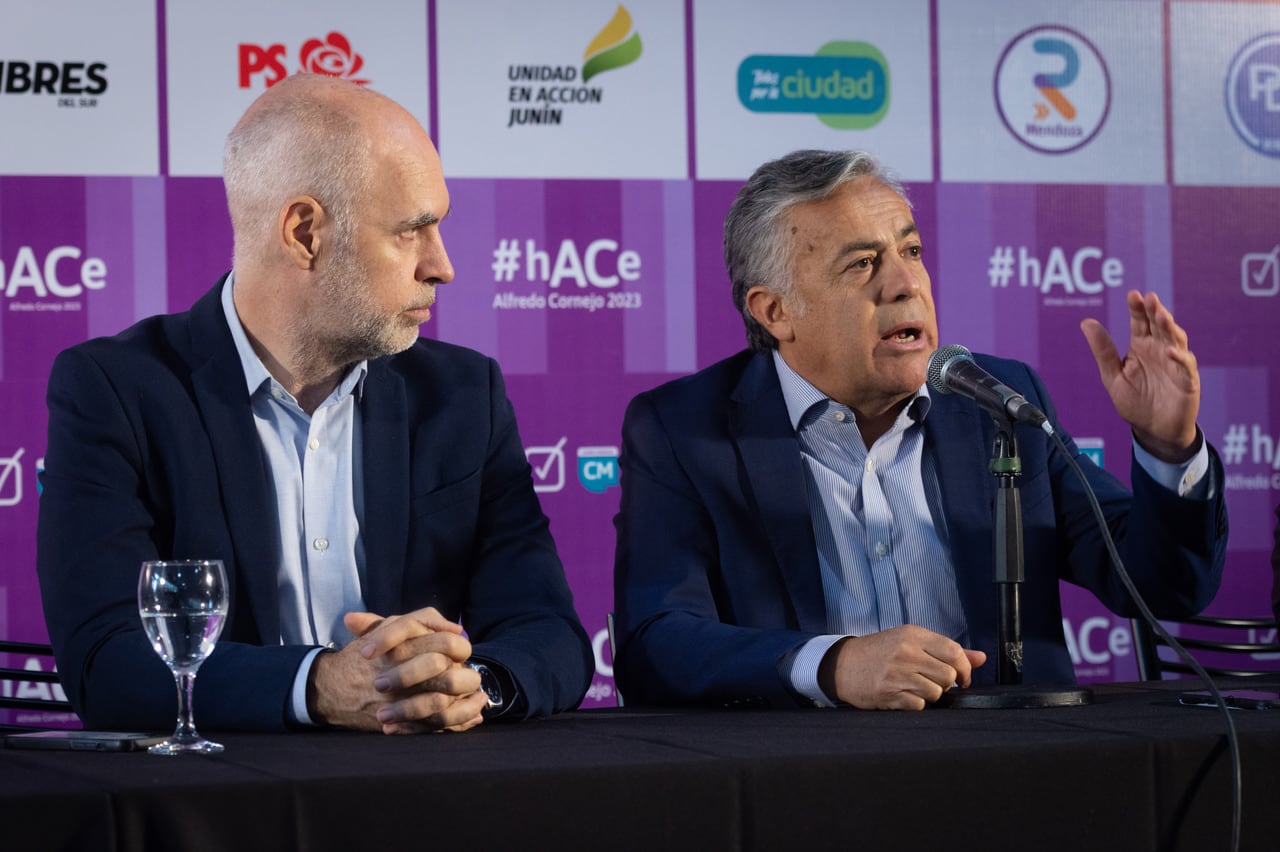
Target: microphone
(953, 370)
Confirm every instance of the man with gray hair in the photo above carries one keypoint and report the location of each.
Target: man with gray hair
(366, 489)
(804, 523)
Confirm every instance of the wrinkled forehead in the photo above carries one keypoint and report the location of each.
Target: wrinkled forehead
(864, 204)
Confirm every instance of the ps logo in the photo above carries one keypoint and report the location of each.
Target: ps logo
(332, 56)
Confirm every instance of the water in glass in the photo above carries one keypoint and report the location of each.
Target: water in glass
(183, 604)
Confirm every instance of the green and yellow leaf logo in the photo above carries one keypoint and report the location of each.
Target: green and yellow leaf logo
(611, 48)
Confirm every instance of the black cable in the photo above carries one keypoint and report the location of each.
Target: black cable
(1221, 703)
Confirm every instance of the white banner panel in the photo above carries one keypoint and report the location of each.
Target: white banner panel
(223, 55)
(812, 74)
(562, 89)
(78, 88)
(1047, 91)
(1226, 94)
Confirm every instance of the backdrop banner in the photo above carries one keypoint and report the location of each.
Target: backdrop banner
(1056, 156)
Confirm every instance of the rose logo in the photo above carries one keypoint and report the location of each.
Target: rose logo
(333, 57)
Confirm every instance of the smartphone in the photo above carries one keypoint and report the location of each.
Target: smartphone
(1236, 699)
(83, 740)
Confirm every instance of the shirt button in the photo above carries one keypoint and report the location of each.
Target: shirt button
(881, 549)
(871, 465)
(313, 444)
(840, 416)
(321, 544)
(276, 393)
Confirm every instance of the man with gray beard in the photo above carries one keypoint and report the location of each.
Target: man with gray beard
(367, 490)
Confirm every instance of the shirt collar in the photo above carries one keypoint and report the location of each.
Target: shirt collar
(800, 396)
(257, 376)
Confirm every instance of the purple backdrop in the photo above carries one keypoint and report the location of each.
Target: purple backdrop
(589, 290)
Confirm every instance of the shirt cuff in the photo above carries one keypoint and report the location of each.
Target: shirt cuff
(1187, 479)
(298, 698)
(800, 668)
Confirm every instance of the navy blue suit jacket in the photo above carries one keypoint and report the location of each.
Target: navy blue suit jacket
(716, 573)
(153, 453)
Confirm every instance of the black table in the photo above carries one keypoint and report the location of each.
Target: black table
(1133, 771)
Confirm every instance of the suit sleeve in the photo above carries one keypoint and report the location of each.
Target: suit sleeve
(677, 645)
(519, 612)
(104, 509)
(1275, 569)
(1173, 547)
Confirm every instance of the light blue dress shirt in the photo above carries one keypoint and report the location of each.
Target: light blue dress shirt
(314, 468)
(883, 552)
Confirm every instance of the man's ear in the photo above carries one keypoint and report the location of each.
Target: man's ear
(771, 310)
(300, 226)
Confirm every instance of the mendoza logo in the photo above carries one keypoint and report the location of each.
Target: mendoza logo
(1253, 94)
(1052, 89)
(615, 46)
(846, 84)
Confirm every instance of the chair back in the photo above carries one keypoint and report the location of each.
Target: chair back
(28, 695)
(1225, 647)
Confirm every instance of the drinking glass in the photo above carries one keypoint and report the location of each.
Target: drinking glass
(183, 603)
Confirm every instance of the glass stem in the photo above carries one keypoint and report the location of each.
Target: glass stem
(186, 730)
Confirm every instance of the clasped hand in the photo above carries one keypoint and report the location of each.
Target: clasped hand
(402, 674)
(902, 668)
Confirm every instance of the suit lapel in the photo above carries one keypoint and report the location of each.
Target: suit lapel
(758, 422)
(385, 436)
(218, 382)
(967, 497)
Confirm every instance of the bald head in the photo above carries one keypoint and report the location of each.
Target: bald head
(307, 135)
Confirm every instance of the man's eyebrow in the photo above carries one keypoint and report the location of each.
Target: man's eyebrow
(874, 245)
(422, 220)
(865, 245)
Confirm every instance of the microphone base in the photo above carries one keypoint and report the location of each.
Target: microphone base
(1015, 697)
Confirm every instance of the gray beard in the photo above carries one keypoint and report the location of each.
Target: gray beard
(365, 336)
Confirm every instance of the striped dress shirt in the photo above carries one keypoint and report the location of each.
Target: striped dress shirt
(877, 517)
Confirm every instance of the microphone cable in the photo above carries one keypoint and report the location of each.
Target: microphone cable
(1233, 743)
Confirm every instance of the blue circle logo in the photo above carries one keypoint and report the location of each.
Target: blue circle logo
(1253, 94)
(1052, 89)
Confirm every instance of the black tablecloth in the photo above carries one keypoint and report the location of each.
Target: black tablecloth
(1133, 771)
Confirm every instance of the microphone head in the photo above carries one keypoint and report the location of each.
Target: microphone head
(940, 360)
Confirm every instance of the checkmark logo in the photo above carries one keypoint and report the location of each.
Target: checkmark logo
(11, 469)
(1264, 637)
(1260, 273)
(548, 466)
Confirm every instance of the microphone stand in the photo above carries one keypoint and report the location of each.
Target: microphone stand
(1009, 691)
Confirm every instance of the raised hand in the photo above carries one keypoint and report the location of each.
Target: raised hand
(1155, 387)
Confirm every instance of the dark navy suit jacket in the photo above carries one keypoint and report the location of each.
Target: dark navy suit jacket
(716, 573)
(153, 453)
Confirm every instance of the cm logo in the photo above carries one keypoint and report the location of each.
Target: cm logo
(598, 468)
